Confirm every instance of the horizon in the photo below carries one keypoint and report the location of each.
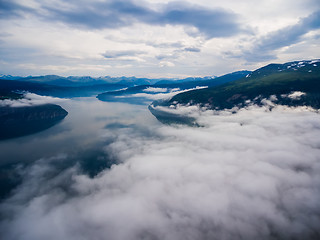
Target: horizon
(154, 39)
(115, 77)
(158, 78)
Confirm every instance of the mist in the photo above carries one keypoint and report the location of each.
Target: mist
(253, 174)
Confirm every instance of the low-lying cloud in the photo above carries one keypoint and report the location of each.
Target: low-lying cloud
(30, 99)
(151, 93)
(155, 90)
(249, 175)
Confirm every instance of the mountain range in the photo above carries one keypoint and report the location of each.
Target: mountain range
(292, 84)
(83, 86)
(168, 86)
(76, 81)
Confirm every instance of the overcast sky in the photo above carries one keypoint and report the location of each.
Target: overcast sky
(154, 38)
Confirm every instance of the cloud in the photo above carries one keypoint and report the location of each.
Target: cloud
(165, 44)
(116, 14)
(155, 89)
(192, 49)
(9, 9)
(211, 22)
(249, 175)
(30, 99)
(265, 46)
(174, 55)
(166, 64)
(153, 93)
(117, 54)
(76, 33)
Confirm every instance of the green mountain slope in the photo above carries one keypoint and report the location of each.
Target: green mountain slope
(279, 80)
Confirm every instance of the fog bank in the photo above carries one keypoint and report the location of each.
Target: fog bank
(249, 175)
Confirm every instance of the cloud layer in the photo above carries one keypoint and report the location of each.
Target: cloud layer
(249, 175)
(154, 38)
(265, 46)
(115, 14)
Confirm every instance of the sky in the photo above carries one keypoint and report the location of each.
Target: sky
(153, 38)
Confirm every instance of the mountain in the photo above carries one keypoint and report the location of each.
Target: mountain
(71, 81)
(133, 81)
(9, 77)
(9, 86)
(206, 81)
(293, 84)
(76, 81)
(168, 86)
(21, 121)
(189, 79)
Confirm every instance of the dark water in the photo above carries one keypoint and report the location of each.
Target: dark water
(80, 139)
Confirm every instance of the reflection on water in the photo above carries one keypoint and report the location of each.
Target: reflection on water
(81, 138)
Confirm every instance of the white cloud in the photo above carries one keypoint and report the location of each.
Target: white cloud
(249, 175)
(166, 64)
(159, 96)
(296, 95)
(30, 99)
(35, 39)
(155, 89)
